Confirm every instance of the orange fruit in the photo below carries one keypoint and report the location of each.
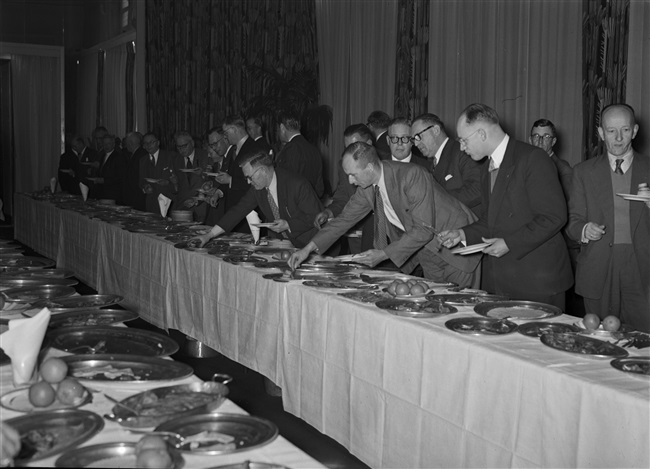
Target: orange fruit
(611, 323)
(424, 285)
(41, 394)
(591, 321)
(417, 289)
(154, 457)
(69, 391)
(393, 286)
(403, 289)
(54, 370)
(151, 442)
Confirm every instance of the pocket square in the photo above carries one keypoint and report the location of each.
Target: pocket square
(448, 177)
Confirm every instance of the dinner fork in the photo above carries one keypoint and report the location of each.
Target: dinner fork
(91, 350)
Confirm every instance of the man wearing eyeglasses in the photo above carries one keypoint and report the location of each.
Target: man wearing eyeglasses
(523, 212)
(287, 201)
(190, 175)
(544, 136)
(218, 147)
(157, 172)
(451, 167)
(400, 143)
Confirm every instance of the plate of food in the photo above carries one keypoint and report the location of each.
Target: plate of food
(31, 294)
(338, 285)
(579, 344)
(263, 225)
(472, 249)
(15, 264)
(415, 309)
(91, 317)
(537, 328)
(108, 340)
(512, 309)
(155, 406)
(18, 400)
(610, 327)
(61, 305)
(45, 434)
(636, 366)
(365, 296)
(464, 299)
(7, 283)
(220, 433)
(41, 273)
(272, 265)
(246, 260)
(481, 326)
(251, 465)
(125, 369)
(114, 454)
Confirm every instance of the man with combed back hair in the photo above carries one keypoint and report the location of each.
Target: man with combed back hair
(378, 122)
(410, 208)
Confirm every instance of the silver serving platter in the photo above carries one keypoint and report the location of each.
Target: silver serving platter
(125, 369)
(60, 305)
(635, 366)
(91, 318)
(247, 432)
(338, 284)
(251, 465)
(322, 269)
(68, 428)
(108, 340)
(272, 265)
(188, 247)
(537, 328)
(481, 326)
(41, 273)
(578, 344)
(524, 310)
(18, 400)
(365, 296)
(415, 309)
(7, 283)
(37, 293)
(4, 248)
(145, 403)
(116, 454)
(465, 299)
(246, 260)
(14, 264)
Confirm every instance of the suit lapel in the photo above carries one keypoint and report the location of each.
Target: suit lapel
(442, 168)
(601, 182)
(508, 166)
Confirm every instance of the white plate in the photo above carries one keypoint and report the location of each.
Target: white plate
(636, 197)
(474, 248)
(263, 225)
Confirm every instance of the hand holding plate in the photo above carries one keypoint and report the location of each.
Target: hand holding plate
(450, 238)
(497, 248)
(279, 226)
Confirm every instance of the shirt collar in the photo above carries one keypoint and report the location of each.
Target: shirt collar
(241, 143)
(405, 160)
(499, 152)
(439, 152)
(627, 160)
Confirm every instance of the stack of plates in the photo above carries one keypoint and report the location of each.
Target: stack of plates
(181, 215)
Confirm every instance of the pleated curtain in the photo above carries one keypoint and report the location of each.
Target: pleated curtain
(114, 90)
(87, 95)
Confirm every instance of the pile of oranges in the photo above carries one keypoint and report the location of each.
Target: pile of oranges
(408, 287)
(55, 385)
(610, 323)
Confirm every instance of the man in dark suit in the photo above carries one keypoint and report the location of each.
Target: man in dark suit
(286, 200)
(298, 155)
(410, 208)
(543, 135)
(218, 147)
(452, 168)
(70, 168)
(378, 122)
(400, 143)
(231, 178)
(190, 175)
(523, 212)
(613, 273)
(157, 172)
(134, 153)
(256, 132)
(109, 182)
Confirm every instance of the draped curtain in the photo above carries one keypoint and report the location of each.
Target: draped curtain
(521, 58)
(36, 83)
(114, 90)
(357, 44)
(638, 72)
(86, 107)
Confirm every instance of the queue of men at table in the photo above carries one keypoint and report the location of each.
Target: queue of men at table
(545, 223)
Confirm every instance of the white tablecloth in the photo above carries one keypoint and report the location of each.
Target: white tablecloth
(397, 392)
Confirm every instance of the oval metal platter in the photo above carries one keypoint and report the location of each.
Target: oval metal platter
(91, 317)
(415, 309)
(60, 305)
(538, 328)
(37, 293)
(219, 433)
(578, 344)
(635, 366)
(45, 434)
(117, 454)
(18, 400)
(125, 369)
(481, 326)
(107, 340)
(15, 264)
(11, 282)
(524, 310)
(465, 299)
(365, 296)
(251, 465)
(44, 273)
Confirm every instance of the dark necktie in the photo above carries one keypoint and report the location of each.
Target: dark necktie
(274, 208)
(494, 172)
(152, 160)
(433, 164)
(618, 169)
(380, 241)
(188, 165)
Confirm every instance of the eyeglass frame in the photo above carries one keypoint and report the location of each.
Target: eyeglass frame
(214, 144)
(399, 139)
(146, 144)
(182, 147)
(249, 179)
(545, 137)
(418, 136)
(463, 141)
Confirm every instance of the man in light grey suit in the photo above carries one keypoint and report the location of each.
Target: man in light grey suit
(410, 208)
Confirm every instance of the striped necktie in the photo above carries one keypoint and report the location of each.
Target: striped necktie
(380, 240)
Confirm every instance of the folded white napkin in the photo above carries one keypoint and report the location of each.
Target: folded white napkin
(164, 203)
(53, 184)
(253, 219)
(84, 190)
(22, 343)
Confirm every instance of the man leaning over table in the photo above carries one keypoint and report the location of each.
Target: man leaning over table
(410, 208)
(613, 272)
(523, 212)
(286, 200)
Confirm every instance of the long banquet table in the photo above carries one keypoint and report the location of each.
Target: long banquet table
(397, 392)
